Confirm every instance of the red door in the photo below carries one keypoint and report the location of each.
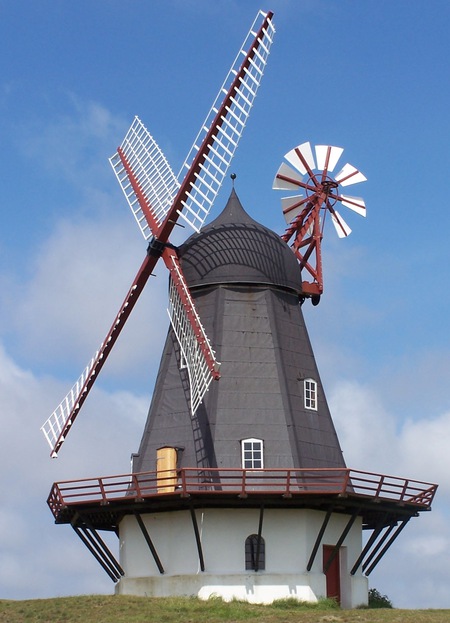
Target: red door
(333, 573)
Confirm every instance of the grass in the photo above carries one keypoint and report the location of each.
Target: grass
(125, 609)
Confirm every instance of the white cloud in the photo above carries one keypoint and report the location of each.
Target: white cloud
(80, 277)
(365, 429)
(77, 280)
(74, 146)
(425, 444)
(38, 559)
(374, 439)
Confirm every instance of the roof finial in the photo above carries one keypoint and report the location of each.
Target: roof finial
(233, 177)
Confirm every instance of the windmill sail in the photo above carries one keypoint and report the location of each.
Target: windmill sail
(225, 122)
(196, 350)
(60, 420)
(157, 199)
(145, 176)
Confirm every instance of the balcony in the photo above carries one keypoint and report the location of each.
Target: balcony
(311, 488)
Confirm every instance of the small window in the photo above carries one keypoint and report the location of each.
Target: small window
(252, 454)
(310, 394)
(255, 557)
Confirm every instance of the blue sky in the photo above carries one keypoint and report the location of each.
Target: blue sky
(370, 76)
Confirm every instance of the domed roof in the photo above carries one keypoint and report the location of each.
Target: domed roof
(234, 248)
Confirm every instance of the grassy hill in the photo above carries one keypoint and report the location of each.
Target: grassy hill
(124, 609)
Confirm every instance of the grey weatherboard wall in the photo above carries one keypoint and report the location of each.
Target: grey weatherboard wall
(246, 284)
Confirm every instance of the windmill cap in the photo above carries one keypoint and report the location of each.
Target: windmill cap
(234, 248)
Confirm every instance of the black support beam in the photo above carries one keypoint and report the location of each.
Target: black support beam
(366, 548)
(258, 540)
(341, 539)
(319, 539)
(387, 546)
(197, 538)
(100, 551)
(149, 542)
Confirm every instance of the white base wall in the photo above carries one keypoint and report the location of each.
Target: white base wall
(289, 536)
(256, 588)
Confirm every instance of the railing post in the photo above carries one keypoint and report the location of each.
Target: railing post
(102, 491)
(59, 496)
(288, 483)
(405, 487)
(182, 475)
(380, 486)
(346, 481)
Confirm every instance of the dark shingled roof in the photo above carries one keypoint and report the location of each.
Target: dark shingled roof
(246, 283)
(257, 255)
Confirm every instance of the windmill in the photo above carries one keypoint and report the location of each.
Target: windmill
(241, 491)
(158, 200)
(306, 214)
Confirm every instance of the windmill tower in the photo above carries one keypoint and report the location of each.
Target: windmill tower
(239, 487)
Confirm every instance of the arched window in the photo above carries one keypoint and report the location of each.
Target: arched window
(255, 553)
(310, 392)
(252, 454)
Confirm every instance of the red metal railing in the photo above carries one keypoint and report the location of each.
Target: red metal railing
(285, 482)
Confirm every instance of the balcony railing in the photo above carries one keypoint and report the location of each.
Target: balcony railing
(244, 483)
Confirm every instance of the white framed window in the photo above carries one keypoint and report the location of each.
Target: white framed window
(310, 392)
(252, 454)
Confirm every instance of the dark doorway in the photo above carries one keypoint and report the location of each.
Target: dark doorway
(333, 574)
